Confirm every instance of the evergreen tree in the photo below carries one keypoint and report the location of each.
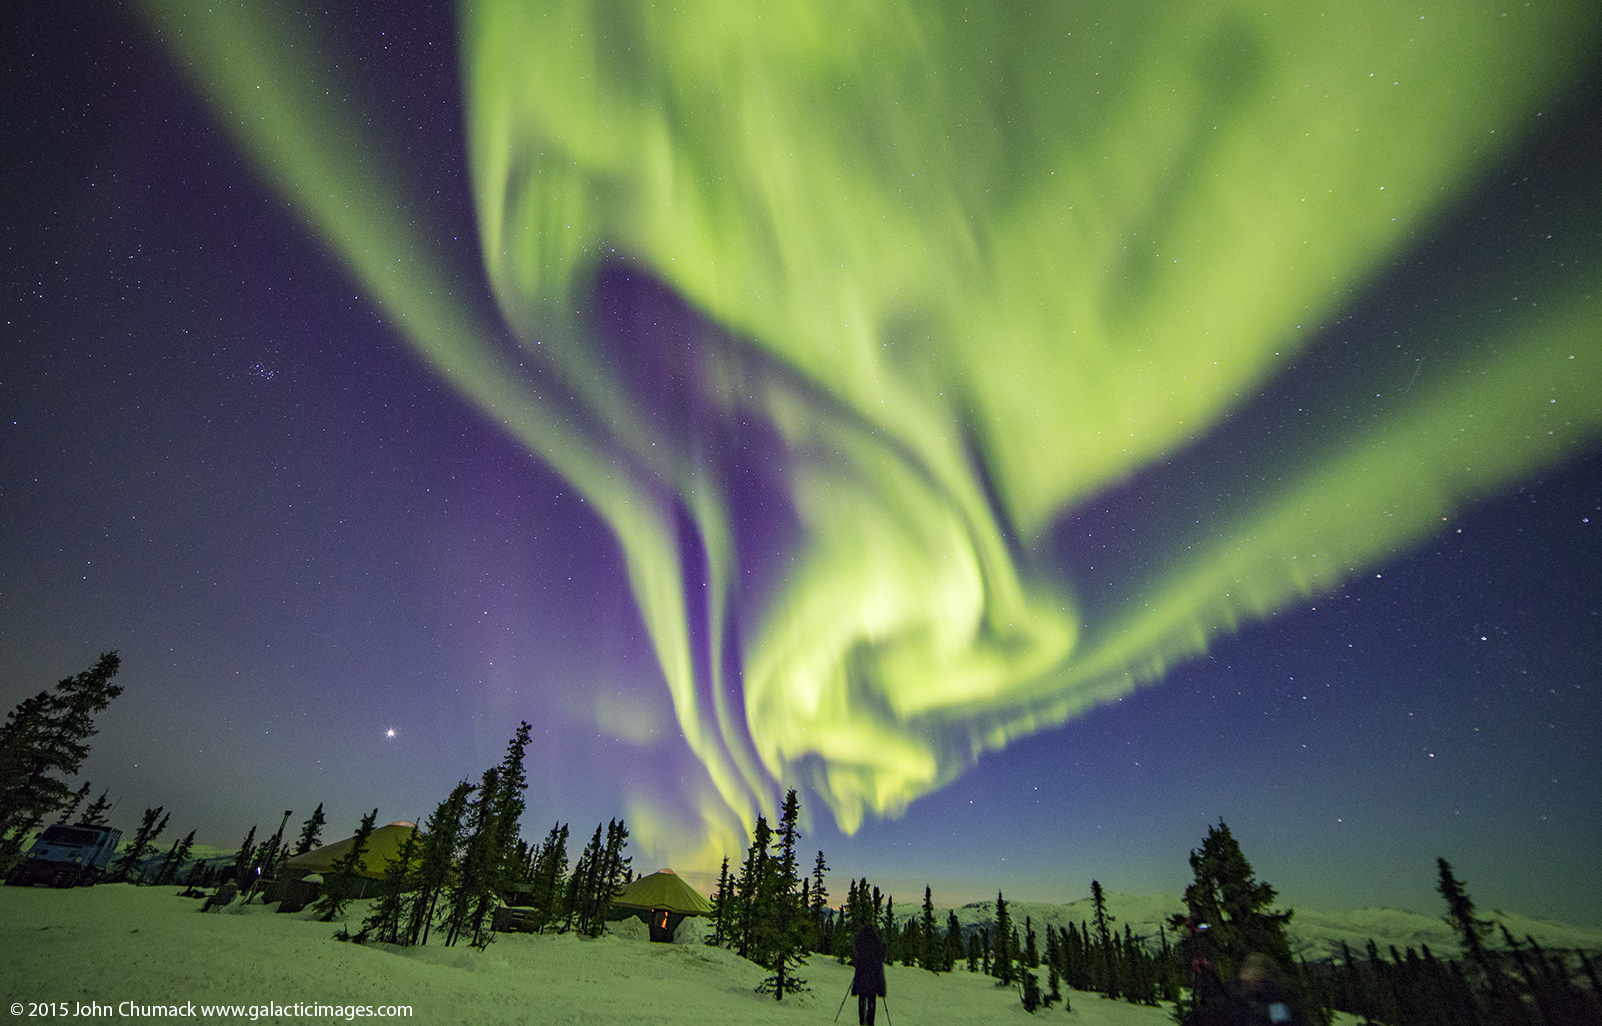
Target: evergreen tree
(311, 831)
(1031, 950)
(245, 859)
(1103, 921)
(1471, 930)
(887, 928)
(597, 876)
(1002, 956)
(72, 805)
(436, 861)
(44, 740)
(973, 952)
(504, 866)
(1076, 958)
(1228, 897)
(818, 906)
(471, 893)
(783, 916)
(176, 856)
(953, 944)
(1031, 991)
(268, 856)
(1137, 978)
(95, 814)
(582, 882)
(386, 920)
(910, 947)
(1053, 968)
(752, 881)
(721, 905)
(931, 955)
(1170, 974)
(614, 874)
(128, 862)
(545, 881)
(342, 882)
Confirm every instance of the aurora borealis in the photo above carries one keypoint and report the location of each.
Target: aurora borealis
(913, 368)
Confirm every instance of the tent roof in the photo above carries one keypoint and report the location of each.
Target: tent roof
(663, 889)
(382, 845)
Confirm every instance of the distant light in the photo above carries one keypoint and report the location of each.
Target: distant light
(390, 732)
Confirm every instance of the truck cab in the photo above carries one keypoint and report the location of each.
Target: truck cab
(66, 856)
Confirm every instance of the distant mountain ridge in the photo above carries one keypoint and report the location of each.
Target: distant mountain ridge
(1314, 935)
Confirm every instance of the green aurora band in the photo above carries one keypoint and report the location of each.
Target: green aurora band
(974, 266)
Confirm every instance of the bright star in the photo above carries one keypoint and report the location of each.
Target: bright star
(390, 732)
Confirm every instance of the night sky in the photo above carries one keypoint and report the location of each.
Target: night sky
(302, 533)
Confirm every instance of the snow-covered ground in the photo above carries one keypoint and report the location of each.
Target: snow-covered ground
(115, 942)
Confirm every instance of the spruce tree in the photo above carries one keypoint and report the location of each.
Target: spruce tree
(176, 856)
(1053, 970)
(953, 944)
(268, 856)
(128, 862)
(342, 882)
(721, 902)
(1031, 991)
(386, 920)
(1002, 956)
(470, 894)
(581, 885)
(545, 881)
(72, 805)
(95, 814)
(503, 863)
(782, 921)
(1076, 956)
(818, 905)
(245, 859)
(436, 862)
(1031, 950)
(910, 942)
(1103, 921)
(43, 741)
(752, 883)
(1227, 896)
(1471, 930)
(892, 938)
(311, 831)
(930, 955)
(612, 875)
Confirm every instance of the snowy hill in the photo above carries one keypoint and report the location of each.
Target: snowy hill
(1313, 934)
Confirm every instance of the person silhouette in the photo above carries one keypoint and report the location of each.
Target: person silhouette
(867, 983)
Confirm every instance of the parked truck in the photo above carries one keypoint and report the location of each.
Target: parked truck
(66, 856)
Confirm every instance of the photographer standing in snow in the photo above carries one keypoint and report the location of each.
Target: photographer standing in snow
(867, 952)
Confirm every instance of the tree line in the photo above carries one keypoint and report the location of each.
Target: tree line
(1519, 984)
(766, 912)
(450, 874)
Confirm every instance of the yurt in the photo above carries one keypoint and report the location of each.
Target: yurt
(662, 900)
